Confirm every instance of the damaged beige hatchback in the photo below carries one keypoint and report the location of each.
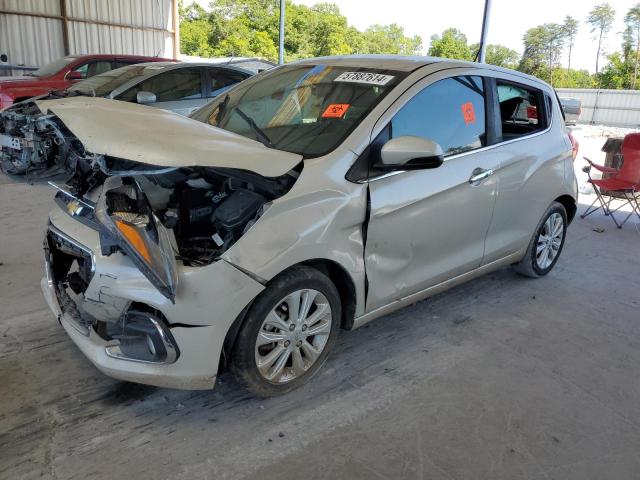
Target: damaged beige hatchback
(316, 196)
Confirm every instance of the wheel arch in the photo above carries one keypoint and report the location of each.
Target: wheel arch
(343, 282)
(332, 269)
(570, 205)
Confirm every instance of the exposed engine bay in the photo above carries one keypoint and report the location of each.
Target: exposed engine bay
(207, 209)
(157, 214)
(160, 216)
(36, 144)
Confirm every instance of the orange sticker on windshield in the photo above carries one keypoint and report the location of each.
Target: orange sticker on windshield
(336, 110)
(468, 113)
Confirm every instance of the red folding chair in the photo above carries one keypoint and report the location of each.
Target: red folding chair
(621, 183)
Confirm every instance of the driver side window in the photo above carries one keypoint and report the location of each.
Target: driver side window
(450, 112)
(174, 85)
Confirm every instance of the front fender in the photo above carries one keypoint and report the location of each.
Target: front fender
(320, 224)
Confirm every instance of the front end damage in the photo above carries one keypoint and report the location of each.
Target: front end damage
(133, 263)
(134, 272)
(36, 144)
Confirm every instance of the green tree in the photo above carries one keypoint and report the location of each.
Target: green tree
(601, 20)
(554, 41)
(616, 74)
(452, 44)
(329, 29)
(195, 31)
(542, 47)
(632, 20)
(502, 56)
(571, 78)
(251, 27)
(570, 27)
(391, 40)
(498, 55)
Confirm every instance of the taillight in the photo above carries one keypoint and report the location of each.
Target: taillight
(574, 147)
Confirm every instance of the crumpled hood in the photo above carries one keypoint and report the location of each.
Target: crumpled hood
(156, 137)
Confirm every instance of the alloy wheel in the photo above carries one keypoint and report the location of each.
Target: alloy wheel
(293, 336)
(549, 241)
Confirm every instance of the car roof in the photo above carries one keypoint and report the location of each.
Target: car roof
(154, 67)
(401, 63)
(407, 63)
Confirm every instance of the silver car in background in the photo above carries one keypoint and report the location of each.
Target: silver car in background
(178, 87)
(318, 195)
(30, 144)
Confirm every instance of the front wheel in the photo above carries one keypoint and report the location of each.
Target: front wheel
(546, 244)
(288, 332)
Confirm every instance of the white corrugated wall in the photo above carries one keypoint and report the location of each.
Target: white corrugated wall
(139, 27)
(619, 108)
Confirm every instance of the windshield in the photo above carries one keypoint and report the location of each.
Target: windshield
(105, 83)
(303, 109)
(53, 67)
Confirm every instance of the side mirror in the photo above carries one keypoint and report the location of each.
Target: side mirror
(145, 97)
(73, 75)
(410, 153)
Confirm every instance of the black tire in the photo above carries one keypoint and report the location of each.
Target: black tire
(529, 266)
(243, 355)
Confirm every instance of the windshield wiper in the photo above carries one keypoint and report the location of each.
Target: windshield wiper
(262, 137)
(221, 108)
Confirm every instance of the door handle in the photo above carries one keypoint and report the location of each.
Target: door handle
(479, 174)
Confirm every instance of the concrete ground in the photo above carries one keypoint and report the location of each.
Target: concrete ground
(501, 378)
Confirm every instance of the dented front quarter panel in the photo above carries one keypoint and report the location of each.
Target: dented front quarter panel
(208, 301)
(320, 218)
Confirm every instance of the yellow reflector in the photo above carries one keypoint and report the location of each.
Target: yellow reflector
(134, 238)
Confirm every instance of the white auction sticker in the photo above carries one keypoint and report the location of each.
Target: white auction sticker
(364, 77)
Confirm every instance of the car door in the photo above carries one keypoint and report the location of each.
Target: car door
(532, 161)
(428, 226)
(179, 90)
(219, 80)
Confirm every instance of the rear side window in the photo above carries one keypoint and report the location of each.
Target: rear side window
(522, 110)
(179, 84)
(450, 112)
(90, 69)
(221, 80)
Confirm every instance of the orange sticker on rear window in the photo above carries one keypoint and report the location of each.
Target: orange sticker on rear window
(468, 113)
(336, 110)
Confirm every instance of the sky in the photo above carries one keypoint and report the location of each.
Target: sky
(508, 21)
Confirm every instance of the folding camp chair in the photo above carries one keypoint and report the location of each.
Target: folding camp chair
(621, 183)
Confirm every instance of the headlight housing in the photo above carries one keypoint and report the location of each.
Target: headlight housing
(125, 214)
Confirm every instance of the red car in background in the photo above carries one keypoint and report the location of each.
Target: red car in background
(61, 74)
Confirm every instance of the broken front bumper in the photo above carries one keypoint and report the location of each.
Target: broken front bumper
(208, 301)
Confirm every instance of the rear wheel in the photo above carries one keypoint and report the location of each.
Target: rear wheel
(288, 332)
(546, 244)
